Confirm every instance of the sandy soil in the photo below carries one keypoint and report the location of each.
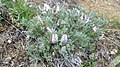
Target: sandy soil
(106, 8)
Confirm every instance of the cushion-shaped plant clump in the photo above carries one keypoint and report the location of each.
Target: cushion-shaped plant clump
(60, 32)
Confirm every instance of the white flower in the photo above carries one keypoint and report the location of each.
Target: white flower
(95, 29)
(115, 50)
(57, 9)
(14, 0)
(88, 20)
(78, 12)
(101, 38)
(51, 30)
(54, 38)
(28, 37)
(30, 5)
(82, 15)
(9, 41)
(64, 39)
(46, 7)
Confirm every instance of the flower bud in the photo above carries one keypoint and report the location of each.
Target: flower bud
(78, 12)
(64, 39)
(101, 38)
(82, 17)
(51, 30)
(95, 29)
(46, 7)
(54, 38)
(57, 9)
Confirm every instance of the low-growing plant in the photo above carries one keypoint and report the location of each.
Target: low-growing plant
(60, 31)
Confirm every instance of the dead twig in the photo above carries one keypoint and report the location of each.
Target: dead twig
(13, 26)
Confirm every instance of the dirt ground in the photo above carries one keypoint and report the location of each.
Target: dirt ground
(106, 8)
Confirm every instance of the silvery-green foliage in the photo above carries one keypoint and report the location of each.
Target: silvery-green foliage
(75, 23)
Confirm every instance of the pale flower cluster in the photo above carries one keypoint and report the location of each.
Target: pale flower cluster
(54, 37)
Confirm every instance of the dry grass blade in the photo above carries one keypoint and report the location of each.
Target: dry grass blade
(113, 30)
